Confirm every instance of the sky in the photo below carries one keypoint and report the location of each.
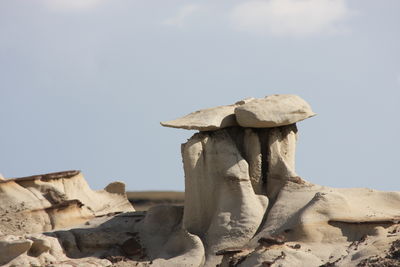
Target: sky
(85, 83)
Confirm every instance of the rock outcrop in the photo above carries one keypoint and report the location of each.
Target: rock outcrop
(245, 205)
(249, 207)
(53, 201)
(221, 205)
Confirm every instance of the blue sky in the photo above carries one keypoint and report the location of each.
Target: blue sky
(85, 83)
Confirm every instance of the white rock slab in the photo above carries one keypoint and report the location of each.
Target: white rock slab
(209, 119)
(273, 111)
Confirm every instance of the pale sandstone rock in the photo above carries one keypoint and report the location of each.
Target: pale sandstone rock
(273, 111)
(221, 206)
(11, 247)
(244, 206)
(328, 225)
(166, 242)
(252, 152)
(281, 146)
(209, 119)
(53, 201)
(155, 239)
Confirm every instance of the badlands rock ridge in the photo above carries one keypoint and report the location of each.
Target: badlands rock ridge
(244, 206)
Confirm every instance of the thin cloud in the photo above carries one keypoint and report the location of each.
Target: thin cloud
(72, 4)
(289, 17)
(183, 13)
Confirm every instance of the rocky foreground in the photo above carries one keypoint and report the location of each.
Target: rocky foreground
(244, 206)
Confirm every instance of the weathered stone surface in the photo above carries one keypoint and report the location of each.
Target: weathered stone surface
(11, 247)
(281, 145)
(205, 119)
(167, 242)
(325, 225)
(273, 111)
(116, 188)
(221, 206)
(209, 119)
(244, 206)
(52, 201)
(253, 154)
(40, 245)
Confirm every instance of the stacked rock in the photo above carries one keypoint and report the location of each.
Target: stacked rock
(236, 165)
(271, 111)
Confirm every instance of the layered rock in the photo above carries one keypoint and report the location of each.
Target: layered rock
(244, 206)
(53, 201)
(230, 177)
(221, 205)
(271, 111)
(250, 208)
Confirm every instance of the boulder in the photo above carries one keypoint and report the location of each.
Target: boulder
(209, 119)
(11, 247)
(273, 111)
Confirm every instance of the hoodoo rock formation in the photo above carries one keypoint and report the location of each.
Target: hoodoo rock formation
(245, 205)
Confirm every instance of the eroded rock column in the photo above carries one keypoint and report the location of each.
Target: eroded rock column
(221, 205)
(281, 158)
(236, 165)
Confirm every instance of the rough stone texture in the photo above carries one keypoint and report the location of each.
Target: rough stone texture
(281, 158)
(206, 119)
(268, 112)
(221, 206)
(116, 188)
(273, 111)
(53, 201)
(244, 206)
(252, 152)
(167, 243)
(344, 226)
(11, 247)
(209, 119)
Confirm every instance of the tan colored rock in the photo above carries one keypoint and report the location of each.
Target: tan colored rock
(52, 201)
(273, 111)
(11, 247)
(323, 224)
(221, 206)
(116, 188)
(209, 119)
(166, 242)
(40, 245)
(252, 152)
(244, 206)
(281, 146)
